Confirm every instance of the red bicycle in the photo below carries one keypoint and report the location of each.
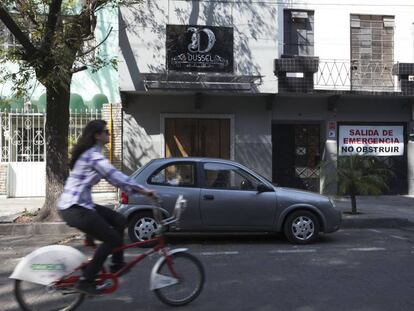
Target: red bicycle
(45, 279)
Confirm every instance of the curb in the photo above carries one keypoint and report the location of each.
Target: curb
(46, 228)
(367, 223)
(36, 228)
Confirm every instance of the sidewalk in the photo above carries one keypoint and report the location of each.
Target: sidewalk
(12, 208)
(374, 212)
(393, 211)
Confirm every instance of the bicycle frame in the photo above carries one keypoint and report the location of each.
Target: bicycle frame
(70, 279)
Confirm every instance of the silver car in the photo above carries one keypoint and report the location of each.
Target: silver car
(226, 196)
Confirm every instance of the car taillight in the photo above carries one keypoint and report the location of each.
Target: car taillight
(124, 198)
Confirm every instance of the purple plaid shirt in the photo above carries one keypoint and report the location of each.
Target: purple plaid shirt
(89, 169)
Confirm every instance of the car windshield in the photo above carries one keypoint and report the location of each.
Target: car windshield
(266, 179)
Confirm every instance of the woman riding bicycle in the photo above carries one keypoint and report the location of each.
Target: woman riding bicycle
(88, 166)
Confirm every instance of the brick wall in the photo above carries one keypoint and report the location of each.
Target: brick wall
(104, 186)
(372, 52)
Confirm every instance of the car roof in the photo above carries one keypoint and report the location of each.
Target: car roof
(192, 159)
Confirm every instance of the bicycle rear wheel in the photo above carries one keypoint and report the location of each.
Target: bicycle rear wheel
(37, 297)
(190, 280)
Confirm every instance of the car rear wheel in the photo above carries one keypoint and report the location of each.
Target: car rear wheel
(142, 227)
(301, 227)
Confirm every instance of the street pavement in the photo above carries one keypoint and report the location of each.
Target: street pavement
(374, 212)
(365, 266)
(349, 270)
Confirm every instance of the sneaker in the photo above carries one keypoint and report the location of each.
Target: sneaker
(87, 287)
(115, 267)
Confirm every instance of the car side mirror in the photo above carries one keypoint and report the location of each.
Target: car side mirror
(246, 185)
(263, 188)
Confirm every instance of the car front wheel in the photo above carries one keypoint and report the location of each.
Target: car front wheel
(301, 227)
(142, 227)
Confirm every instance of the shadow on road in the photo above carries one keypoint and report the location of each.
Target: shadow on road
(233, 238)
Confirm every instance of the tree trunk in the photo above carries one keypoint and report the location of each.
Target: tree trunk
(57, 126)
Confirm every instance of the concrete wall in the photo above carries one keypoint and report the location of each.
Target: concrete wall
(144, 137)
(258, 32)
(332, 26)
(143, 36)
(347, 108)
(3, 178)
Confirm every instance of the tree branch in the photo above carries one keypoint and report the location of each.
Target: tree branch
(23, 39)
(98, 45)
(51, 25)
(78, 69)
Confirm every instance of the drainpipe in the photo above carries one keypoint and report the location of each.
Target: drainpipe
(110, 133)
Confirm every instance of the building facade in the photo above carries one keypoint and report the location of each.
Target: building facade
(279, 87)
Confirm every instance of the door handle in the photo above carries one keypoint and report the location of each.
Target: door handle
(208, 197)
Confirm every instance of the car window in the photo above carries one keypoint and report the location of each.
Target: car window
(225, 176)
(175, 174)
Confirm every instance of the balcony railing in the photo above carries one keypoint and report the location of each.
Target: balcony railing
(349, 75)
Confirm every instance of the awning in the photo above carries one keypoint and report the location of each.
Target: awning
(201, 82)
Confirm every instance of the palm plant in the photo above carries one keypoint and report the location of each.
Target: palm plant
(361, 175)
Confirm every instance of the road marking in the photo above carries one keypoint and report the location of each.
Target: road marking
(288, 251)
(219, 253)
(367, 249)
(399, 237)
(374, 230)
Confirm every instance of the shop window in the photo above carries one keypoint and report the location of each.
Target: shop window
(188, 137)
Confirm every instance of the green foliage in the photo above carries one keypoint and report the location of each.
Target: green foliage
(361, 175)
(29, 213)
(100, 63)
(70, 45)
(5, 104)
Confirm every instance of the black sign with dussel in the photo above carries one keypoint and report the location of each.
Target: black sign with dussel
(199, 48)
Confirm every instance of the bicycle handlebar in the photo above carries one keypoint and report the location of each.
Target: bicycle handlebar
(179, 207)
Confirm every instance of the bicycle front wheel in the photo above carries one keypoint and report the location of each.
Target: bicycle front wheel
(190, 281)
(37, 297)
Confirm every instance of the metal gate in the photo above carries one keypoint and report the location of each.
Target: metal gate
(22, 145)
(296, 155)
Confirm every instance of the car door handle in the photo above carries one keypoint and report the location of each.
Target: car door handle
(208, 197)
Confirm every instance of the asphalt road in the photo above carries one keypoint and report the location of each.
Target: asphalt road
(352, 270)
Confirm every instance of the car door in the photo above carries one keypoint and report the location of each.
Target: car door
(229, 199)
(175, 178)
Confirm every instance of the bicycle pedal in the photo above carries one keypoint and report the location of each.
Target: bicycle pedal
(104, 285)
